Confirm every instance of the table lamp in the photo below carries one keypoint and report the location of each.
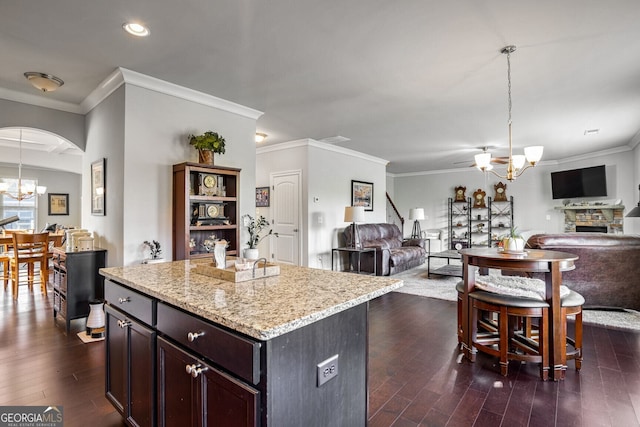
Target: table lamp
(416, 214)
(354, 214)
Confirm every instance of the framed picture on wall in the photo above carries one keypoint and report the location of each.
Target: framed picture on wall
(362, 194)
(98, 187)
(58, 204)
(262, 197)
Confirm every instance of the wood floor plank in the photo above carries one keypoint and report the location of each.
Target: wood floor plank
(415, 375)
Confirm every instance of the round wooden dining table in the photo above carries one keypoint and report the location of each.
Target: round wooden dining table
(551, 263)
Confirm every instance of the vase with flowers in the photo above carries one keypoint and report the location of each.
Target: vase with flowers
(258, 229)
(154, 251)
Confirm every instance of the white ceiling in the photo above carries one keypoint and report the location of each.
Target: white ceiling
(419, 83)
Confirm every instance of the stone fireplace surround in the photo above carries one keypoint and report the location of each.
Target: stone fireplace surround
(609, 217)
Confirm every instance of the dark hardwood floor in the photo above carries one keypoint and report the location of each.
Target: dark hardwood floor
(415, 378)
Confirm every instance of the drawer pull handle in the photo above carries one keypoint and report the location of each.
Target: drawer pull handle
(124, 323)
(123, 300)
(192, 336)
(195, 370)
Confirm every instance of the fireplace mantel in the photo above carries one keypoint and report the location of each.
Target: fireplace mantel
(610, 216)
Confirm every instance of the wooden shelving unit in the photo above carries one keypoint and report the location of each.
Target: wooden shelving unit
(205, 206)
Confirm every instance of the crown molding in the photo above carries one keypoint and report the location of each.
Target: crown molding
(40, 101)
(308, 142)
(122, 76)
(595, 154)
(151, 83)
(103, 90)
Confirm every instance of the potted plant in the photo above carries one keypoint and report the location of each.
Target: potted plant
(154, 250)
(513, 242)
(258, 229)
(207, 144)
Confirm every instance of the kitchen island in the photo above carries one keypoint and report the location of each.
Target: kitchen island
(278, 351)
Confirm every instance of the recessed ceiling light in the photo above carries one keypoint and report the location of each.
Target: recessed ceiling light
(592, 131)
(136, 29)
(260, 136)
(44, 82)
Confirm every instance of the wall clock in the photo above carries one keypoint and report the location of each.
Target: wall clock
(460, 197)
(501, 192)
(478, 198)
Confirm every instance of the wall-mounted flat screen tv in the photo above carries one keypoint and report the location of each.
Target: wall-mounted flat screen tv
(585, 182)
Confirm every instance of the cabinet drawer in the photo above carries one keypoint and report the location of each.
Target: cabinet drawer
(237, 354)
(130, 302)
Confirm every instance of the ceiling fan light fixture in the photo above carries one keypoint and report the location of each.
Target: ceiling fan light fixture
(483, 160)
(136, 29)
(43, 81)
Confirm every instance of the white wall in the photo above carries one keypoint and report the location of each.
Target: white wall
(105, 139)
(532, 191)
(327, 172)
(70, 126)
(156, 131)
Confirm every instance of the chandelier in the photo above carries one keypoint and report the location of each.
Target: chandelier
(516, 164)
(25, 191)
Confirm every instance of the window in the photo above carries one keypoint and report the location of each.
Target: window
(26, 209)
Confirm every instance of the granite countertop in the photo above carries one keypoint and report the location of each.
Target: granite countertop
(262, 308)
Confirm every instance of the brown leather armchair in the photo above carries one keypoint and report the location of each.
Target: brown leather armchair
(607, 274)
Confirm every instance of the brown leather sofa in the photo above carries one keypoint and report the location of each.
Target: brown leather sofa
(393, 255)
(607, 274)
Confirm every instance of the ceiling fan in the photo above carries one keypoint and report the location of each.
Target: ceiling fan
(498, 160)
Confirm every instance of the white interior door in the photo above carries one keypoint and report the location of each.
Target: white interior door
(285, 208)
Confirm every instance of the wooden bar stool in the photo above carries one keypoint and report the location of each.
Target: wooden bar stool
(30, 249)
(504, 328)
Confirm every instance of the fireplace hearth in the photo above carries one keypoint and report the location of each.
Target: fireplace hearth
(598, 218)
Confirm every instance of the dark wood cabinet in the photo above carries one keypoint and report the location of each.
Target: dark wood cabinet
(192, 392)
(76, 281)
(130, 368)
(207, 374)
(205, 206)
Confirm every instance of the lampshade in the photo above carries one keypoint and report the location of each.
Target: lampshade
(533, 153)
(416, 213)
(260, 136)
(354, 214)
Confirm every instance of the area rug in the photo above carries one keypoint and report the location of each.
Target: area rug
(444, 288)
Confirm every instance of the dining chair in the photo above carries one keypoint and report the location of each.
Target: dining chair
(30, 249)
(4, 260)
